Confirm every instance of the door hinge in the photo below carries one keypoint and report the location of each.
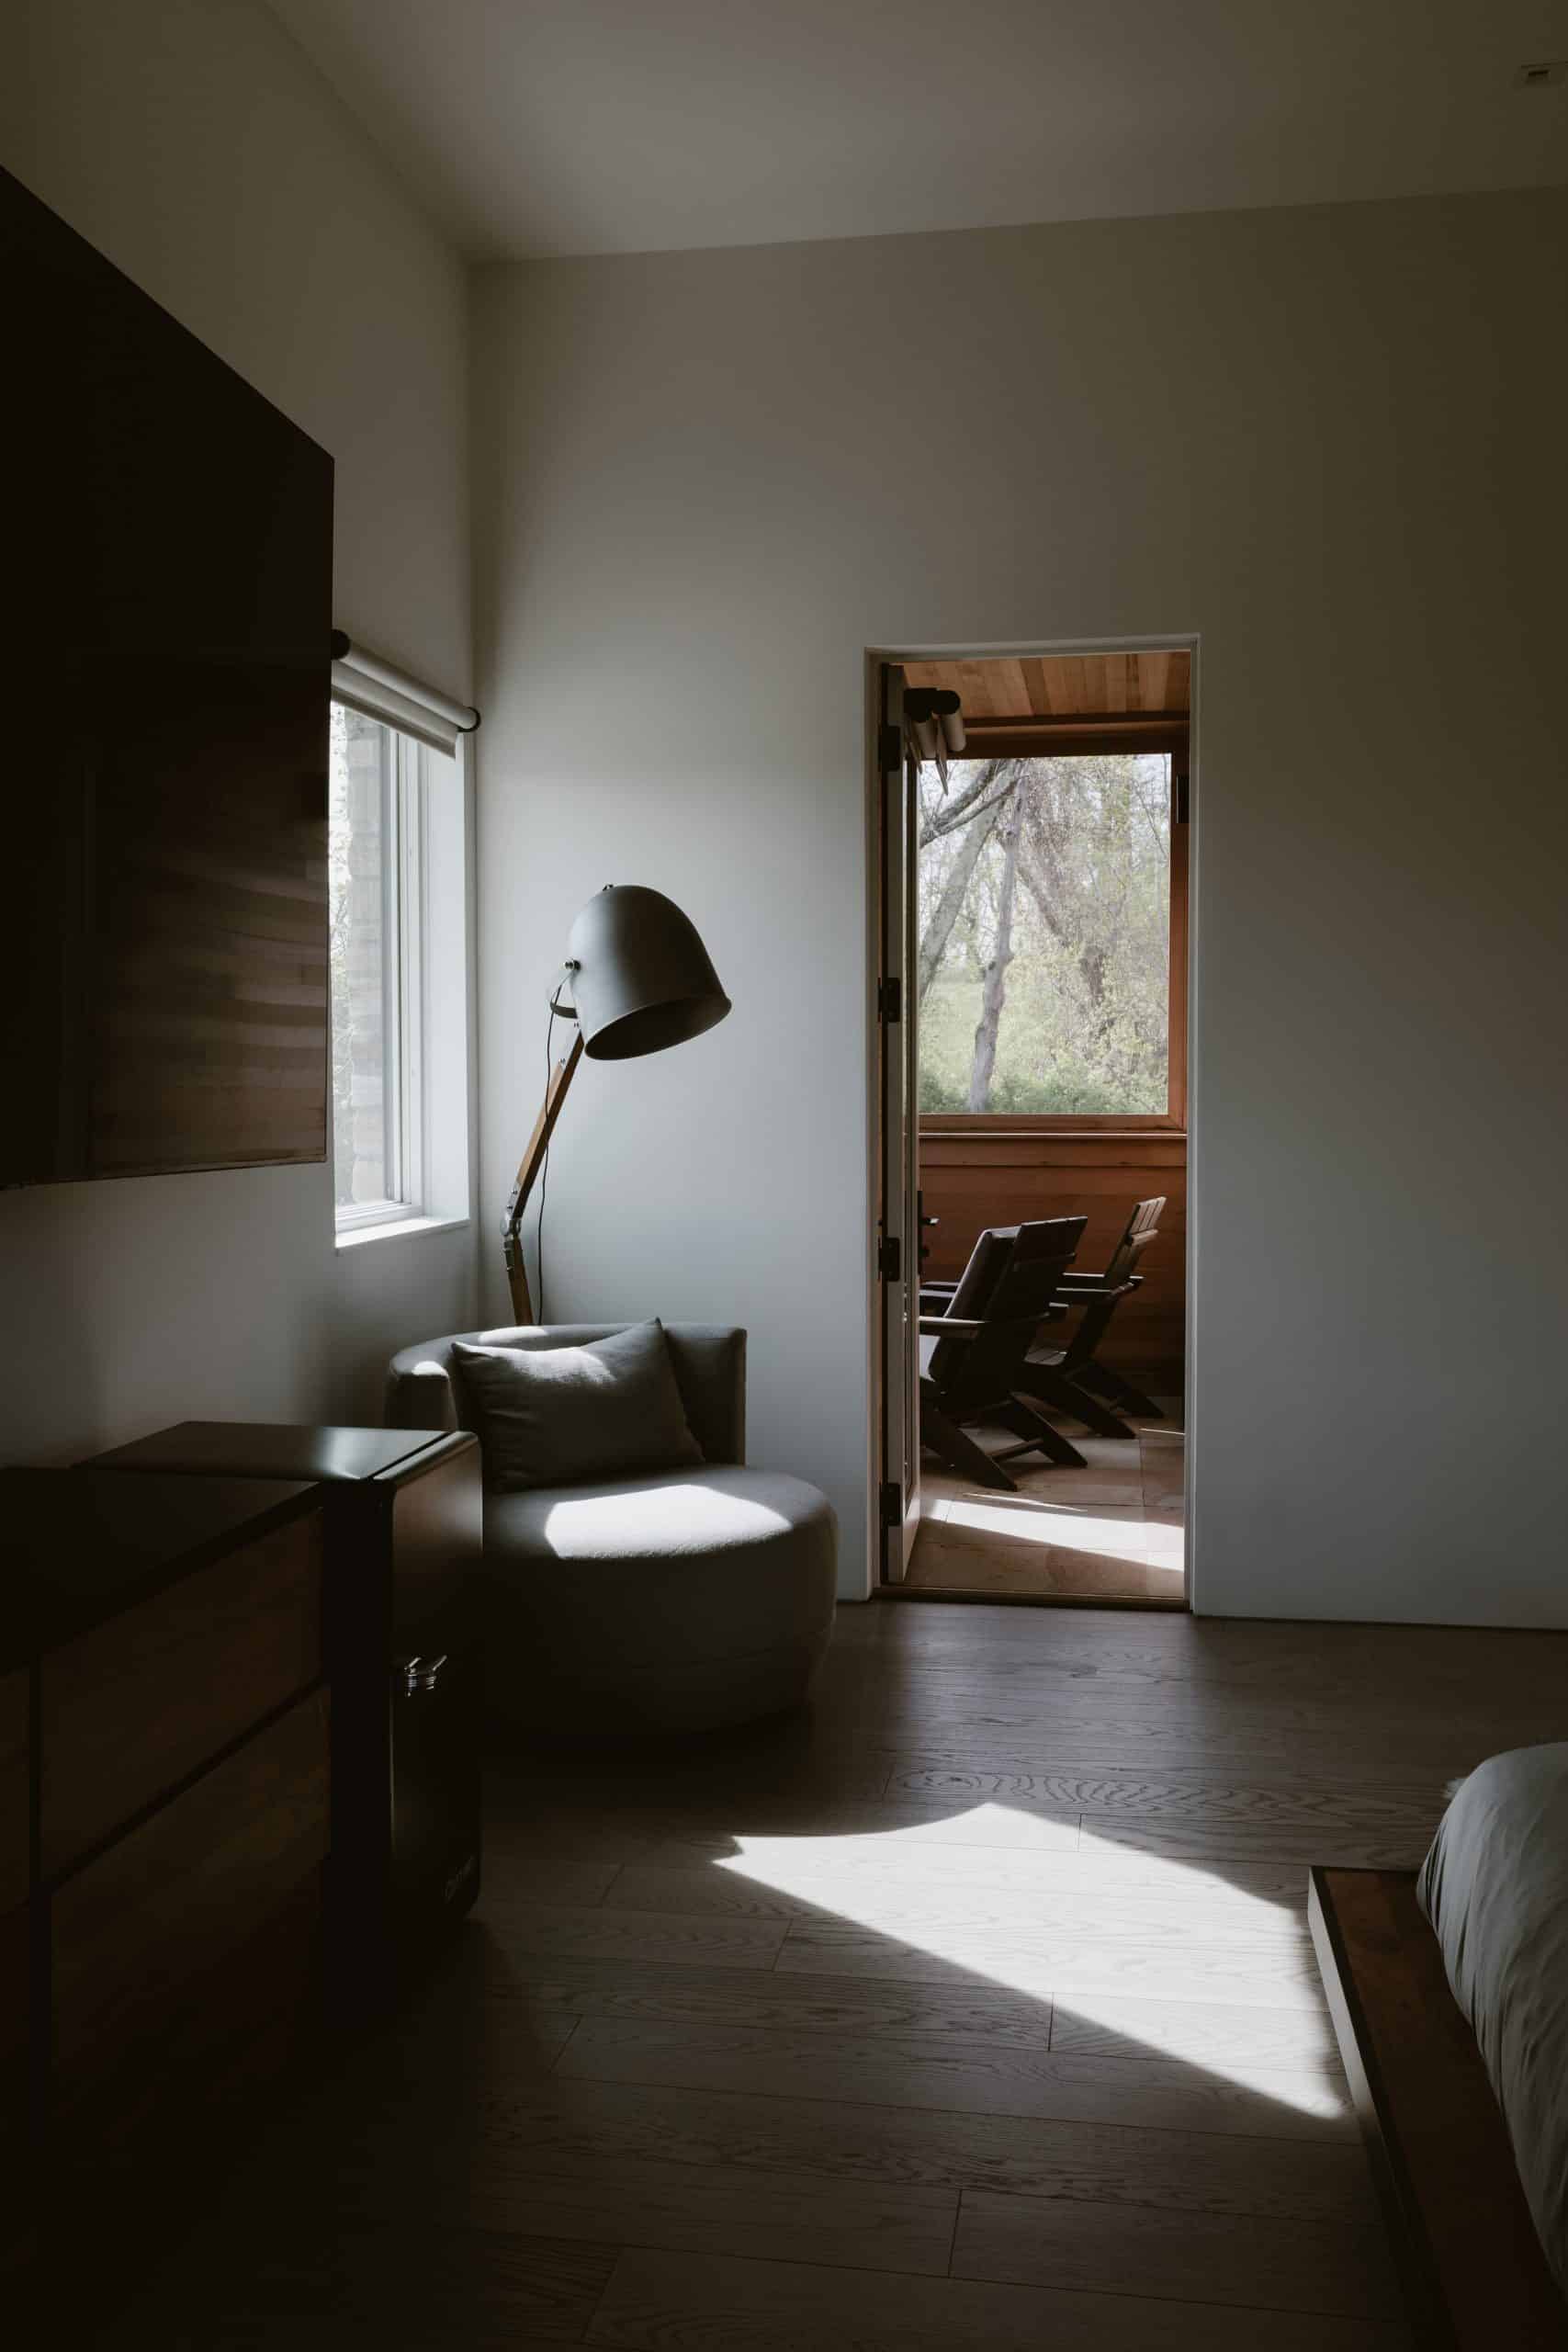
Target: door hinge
(890, 1258)
(890, 1000)
(890, 748)
(892, 1503)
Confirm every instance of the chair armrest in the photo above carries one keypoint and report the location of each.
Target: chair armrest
(949, 1327)
(936, 1296)
(1080, 1286)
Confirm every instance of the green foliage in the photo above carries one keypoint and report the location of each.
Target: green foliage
(1082, 1027)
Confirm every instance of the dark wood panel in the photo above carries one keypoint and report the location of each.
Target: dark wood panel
(16, 1790)
(167, 671)
(150, 1919)
(17, 2171)
(971, 1181)
(133, 1707)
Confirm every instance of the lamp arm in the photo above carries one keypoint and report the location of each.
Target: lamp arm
(528, 1167)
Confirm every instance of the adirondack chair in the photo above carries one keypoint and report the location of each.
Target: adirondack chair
(974, 1350)
(1071, 1378)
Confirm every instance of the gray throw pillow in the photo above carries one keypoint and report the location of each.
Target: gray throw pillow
(559, 1416)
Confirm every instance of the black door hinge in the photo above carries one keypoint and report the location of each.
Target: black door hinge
(892, 1503)
(890, 749)
(890, 1258)
(890, 1000)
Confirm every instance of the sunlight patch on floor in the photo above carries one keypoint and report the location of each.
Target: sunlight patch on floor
(1106, 1534)
(840, 1879)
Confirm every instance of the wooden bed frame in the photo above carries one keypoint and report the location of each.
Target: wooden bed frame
(1474, 2275)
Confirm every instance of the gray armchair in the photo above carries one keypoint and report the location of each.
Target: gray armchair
(676, 1601)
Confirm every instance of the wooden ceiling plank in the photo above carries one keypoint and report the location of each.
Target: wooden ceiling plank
(1076, 697)
(1010, 689)
(975, 689)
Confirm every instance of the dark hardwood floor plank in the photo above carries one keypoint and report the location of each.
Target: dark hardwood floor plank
(905, 1903)
(660, 1993)
(1214, 2034)
(565, 2120)
(1061, 1969)
(1207, 1802)
(1195, 2257)
(971, 2075)
(681, 2303)
(574, 1932)
(1213, 1845)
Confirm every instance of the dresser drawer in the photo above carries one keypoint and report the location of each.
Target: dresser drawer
(134, 1707)
(140, 1933)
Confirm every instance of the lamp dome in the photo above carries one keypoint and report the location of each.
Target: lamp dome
(643, 978)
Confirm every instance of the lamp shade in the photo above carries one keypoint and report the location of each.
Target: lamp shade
(641, 979)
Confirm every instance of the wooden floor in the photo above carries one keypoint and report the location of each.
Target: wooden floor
(1111, 1532)
(974, 2013)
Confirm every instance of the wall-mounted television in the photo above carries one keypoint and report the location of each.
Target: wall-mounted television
(164, 675)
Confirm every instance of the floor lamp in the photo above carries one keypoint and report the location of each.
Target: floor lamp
(640, 981)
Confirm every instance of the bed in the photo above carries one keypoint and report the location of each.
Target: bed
(1449, 1996)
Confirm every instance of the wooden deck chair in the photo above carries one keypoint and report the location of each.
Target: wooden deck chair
(1071, 1379)
(974, 1350)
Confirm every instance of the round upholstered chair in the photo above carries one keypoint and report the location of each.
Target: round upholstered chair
(676, 1601)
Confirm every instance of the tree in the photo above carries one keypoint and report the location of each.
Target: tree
(1044, 933)
(996, 981)
(937, 930)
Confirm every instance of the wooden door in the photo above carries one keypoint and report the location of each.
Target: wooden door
(899, 1230)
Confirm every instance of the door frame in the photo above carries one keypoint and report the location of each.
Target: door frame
(1174, 641)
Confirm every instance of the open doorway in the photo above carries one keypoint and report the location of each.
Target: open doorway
(1035, 945)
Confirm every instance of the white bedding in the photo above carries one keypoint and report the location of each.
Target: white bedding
(1494, 1887)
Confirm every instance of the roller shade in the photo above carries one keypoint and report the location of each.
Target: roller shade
(365, 683)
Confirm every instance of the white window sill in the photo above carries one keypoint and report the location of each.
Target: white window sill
(401, 1229)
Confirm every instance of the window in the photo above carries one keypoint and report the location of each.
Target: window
(398, 896)
(1046, 906)
(375, 789)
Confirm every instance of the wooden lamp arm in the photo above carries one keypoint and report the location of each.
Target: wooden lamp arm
(528, 1167)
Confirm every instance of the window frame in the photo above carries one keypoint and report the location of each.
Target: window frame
(1173, 1120)
(404, 916)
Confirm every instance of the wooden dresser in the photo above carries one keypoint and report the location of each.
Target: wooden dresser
(164, 1807)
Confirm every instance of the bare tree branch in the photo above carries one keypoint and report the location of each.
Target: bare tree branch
(946, 816)
(995, 995)
(945, 913)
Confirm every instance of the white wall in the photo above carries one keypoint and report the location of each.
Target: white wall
(1329, 440)
(192, 142)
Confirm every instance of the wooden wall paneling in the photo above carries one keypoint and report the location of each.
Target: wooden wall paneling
(140, 1928)
(166, 944)
(969, 1182)
(131, 1708)
(16, 1788)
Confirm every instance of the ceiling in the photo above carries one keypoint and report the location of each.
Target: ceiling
(535, 127)
(1062, 685)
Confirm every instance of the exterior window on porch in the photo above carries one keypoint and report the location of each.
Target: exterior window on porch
(1045, 934)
